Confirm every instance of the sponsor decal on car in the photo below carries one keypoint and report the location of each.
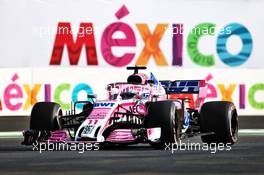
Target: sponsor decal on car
(103, 105)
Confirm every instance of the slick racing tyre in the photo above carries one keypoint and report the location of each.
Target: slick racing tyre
(44, 116)
(219, 117)
(163, 114)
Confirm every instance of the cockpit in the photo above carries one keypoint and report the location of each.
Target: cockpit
(138, 86)
(127, 95)
(126, 91)
(116, 95)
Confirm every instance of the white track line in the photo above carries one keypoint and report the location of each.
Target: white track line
(11, 134)
(251, 132)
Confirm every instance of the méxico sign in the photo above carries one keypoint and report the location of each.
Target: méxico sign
(178, 35)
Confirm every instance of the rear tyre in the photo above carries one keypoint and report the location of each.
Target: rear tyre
(163, 114)
(221, 118)
(44, 116)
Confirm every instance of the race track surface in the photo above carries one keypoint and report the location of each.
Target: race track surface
(246, 157)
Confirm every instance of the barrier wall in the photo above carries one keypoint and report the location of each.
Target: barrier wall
(20, 88)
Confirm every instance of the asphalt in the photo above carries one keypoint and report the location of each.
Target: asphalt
(245, 157)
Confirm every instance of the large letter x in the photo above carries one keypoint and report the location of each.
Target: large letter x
(151, 44)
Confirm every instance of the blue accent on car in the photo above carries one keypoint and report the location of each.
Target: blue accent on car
(152, 77)
(181, 86)
(187, 119)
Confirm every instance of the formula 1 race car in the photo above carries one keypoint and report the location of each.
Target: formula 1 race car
(140, 110)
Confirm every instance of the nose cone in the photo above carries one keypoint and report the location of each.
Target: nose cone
(98, 118)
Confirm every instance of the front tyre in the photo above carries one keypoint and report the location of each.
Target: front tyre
(219, 117)
(44, 116)
(163, 114)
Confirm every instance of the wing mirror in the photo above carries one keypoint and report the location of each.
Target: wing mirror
(91, 96)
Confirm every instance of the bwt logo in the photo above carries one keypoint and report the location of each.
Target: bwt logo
(104, 105)
(86, 40)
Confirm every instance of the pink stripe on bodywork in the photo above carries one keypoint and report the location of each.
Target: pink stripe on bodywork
(121, 135)
(60, 135)
(99, 113)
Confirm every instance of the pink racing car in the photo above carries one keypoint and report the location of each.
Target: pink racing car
(140, 110)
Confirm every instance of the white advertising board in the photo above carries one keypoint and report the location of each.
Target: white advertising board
(21, 88)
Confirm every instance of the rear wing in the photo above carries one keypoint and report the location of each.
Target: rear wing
(183, 86)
